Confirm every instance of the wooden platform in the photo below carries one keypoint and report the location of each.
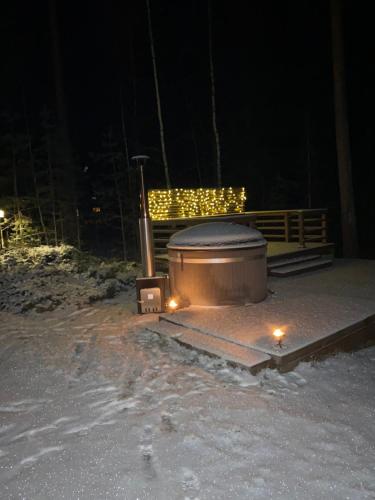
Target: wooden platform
(319, 312)
(281, 249)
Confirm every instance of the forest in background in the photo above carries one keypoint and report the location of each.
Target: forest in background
(65, 147)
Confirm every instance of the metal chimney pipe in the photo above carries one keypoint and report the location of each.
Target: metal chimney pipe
(145, 226)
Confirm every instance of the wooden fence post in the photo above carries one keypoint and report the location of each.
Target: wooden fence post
(301, 230)
(286, 227)
(324, 228)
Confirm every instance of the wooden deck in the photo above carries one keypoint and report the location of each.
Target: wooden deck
(278, 249)
(320, 313)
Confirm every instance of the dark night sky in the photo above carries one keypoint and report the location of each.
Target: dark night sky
(273, 69)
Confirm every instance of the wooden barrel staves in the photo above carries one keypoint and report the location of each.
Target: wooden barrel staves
(218, 263)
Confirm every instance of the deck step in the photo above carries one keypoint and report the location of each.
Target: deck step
(293, 269)
(293, 260)
(231, 352)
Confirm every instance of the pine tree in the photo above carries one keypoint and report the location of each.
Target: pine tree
(213, 100)
(158, 101)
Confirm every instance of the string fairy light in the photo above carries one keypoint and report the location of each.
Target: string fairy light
(185, 203)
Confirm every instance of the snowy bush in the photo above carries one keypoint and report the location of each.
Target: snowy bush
(44, 277)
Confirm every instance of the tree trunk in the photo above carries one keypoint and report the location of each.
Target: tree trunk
(62, 228)
(133, 77)
(213, 99)
(308, 160)
(35, 181)
(348, 217)
(52, 191)
(78, 222)
(132, 195)
(36, 189)
(194, 139)
(64, 156)
(156, 81)
(17, 208)
(196, 151)
(118, 196)
(121, 210)
(125, 141)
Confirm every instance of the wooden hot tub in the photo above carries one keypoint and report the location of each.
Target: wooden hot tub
(218, 263)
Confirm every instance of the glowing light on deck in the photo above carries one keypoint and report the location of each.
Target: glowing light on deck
(172, 304)
(278, 334)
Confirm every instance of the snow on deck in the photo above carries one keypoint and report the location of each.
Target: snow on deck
(311, 309)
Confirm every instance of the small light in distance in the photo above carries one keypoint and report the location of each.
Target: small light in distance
(2, 214)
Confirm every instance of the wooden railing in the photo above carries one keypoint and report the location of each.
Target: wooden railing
(302, 226)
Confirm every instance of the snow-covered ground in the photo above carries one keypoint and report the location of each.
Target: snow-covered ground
(94, 407)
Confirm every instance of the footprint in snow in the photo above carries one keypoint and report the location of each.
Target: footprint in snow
(190, 481)
(147, 452)
(259, 482)
(167, 424)
(79, 348)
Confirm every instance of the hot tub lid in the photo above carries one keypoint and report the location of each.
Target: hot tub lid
(216, 235)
